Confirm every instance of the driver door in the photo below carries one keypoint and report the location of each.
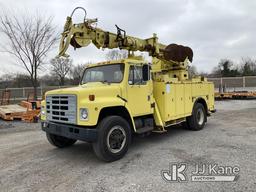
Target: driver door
(139, 92)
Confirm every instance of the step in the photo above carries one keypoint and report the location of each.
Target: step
(144, 130)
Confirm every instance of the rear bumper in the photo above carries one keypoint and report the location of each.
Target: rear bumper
(70, 131)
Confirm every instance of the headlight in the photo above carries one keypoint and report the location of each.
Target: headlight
(42, 110)
(83, 114)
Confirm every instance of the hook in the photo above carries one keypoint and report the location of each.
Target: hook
(85, 13)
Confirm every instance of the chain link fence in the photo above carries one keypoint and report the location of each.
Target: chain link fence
(18, 94)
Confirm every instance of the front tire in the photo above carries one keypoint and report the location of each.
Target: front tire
(59, 141)
(114, 138)
(198, 118)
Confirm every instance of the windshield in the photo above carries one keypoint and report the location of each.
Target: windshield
(106, 73)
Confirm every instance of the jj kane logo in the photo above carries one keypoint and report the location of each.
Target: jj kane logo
(201, 173)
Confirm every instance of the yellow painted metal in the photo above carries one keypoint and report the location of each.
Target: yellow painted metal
(139, 97)
(105, 96)
(85, 33)
(176, 99)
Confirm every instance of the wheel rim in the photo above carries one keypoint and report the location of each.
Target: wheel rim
(116, 139)
(200, 116)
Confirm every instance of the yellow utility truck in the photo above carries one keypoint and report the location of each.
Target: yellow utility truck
(116, 99)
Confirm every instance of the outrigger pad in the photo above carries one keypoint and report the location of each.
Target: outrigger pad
(178, 53)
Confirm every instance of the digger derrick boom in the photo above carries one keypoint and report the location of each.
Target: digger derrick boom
(81, 35)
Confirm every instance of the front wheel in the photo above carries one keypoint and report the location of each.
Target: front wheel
(198, 118)
(114, 137)
(59, 141)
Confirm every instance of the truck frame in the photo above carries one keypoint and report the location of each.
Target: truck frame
(116, 99)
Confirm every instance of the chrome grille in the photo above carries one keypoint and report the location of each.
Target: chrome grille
(61, 108)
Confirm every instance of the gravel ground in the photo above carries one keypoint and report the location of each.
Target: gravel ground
(29, 163)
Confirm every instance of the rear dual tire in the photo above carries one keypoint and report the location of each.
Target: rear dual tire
(198, 118)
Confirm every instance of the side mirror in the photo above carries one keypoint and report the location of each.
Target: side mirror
(145, 72)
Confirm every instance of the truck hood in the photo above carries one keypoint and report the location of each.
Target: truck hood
(98, 89)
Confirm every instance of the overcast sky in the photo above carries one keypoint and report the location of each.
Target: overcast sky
(214, 29)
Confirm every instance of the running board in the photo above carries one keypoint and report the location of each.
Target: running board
(159, 131)
(144, 130)
(175, 122)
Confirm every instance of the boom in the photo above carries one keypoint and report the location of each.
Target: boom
(82, 34)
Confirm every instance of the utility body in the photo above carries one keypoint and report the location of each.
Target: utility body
(116, 99)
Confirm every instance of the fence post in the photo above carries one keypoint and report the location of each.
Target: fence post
(41, 90)
(23, 92)
(243, 81)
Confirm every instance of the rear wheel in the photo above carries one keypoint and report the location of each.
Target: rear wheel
(114, 137)
(59, 141)
(198, 118)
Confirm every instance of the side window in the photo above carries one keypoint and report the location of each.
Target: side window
(135, 76)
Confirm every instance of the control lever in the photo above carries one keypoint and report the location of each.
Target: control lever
(120, 37)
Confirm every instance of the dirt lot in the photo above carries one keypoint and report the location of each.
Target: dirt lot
(29, 163)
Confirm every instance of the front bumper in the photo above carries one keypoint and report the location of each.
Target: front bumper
(70, 131)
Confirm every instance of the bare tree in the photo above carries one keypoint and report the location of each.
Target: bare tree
(227, 68)
(30, 38)
(6, 80)
(76, 73)
(60, 68)
(49, 80)
(248, 67)
(116, 54)
(192, 71)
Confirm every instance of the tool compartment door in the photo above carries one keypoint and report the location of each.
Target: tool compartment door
(188, 99)
(179, 99)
